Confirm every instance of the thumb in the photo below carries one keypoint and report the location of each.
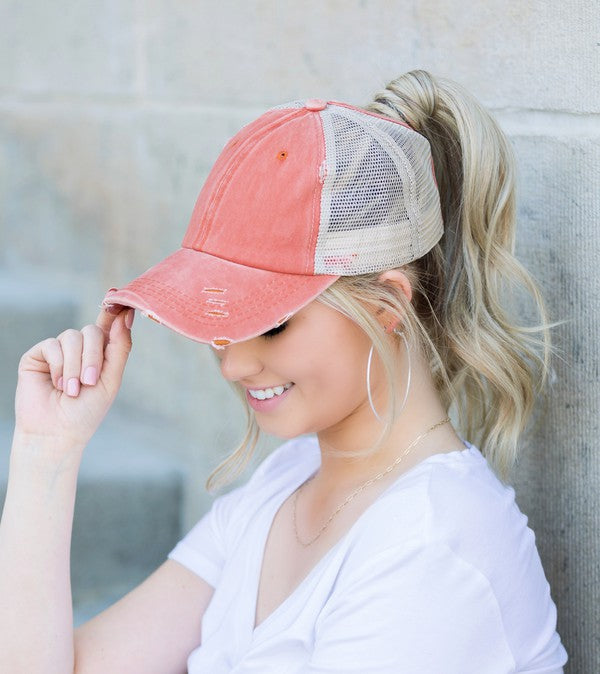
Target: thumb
(117, 350)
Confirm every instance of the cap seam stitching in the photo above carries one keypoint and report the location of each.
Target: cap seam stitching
(316, 200)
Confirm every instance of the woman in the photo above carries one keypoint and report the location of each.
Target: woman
(346, 266)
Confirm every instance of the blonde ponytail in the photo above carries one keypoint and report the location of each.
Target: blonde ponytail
(486, 365)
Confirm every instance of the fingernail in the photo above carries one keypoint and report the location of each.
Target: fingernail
(90, 376)
(129, 318)
(73, 387)
(59, 384)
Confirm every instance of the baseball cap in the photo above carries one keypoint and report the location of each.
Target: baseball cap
(310, 191)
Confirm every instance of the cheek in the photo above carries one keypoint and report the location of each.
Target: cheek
(338, 369)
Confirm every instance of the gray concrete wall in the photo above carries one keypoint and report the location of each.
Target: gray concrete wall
(112, 112)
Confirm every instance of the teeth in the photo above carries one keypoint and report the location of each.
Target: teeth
(265, 393)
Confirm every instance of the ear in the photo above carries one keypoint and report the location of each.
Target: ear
(399, 280)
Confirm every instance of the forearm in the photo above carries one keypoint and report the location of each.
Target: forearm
(36, 623)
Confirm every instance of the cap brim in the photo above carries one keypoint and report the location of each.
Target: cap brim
(215, 301)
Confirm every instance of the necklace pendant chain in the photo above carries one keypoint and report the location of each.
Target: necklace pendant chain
(362, 487)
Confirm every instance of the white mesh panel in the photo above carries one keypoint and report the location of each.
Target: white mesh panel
(379, 205)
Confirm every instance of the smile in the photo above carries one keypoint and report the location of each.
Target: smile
(265, 393)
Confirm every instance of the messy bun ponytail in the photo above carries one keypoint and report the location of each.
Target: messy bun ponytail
(485, 364)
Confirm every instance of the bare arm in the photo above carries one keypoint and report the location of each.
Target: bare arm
(54, 422)
(35, 611)
(151, 630)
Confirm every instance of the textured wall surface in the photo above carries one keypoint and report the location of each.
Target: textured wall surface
(112, 112)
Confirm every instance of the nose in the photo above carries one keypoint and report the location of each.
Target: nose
(240, 361)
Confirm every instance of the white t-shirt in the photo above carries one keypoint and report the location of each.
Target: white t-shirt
(440, 575)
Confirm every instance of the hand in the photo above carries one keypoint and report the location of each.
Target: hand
(67, 384)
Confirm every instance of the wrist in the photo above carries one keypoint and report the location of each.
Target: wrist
(46, 452)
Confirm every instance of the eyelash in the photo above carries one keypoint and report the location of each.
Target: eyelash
(274, 331)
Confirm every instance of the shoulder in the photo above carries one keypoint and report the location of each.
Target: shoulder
(470, 505)
(454, 501)
(476, 515)
(451, 523)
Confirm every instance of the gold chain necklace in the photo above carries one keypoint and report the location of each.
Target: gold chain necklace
(363, 486)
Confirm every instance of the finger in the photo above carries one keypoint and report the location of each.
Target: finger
(53, 355)
(71, 342)
(117, 350)
(107, 316)
(92, 355)
(46, 356)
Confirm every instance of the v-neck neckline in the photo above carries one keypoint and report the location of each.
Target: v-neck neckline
(258, 560)
(260, 556)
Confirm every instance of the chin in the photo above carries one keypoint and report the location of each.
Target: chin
(282, 430)
(280, 433)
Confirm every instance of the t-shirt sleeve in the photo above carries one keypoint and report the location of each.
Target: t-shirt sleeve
(414, 609)
(204, 549)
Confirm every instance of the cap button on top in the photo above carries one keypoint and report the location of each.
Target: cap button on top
(315, 104)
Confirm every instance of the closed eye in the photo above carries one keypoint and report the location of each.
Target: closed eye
(274, 331)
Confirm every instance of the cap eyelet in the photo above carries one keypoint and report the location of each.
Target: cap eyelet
(282, 154)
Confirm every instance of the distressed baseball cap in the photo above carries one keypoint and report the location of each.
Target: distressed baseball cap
(308, 192)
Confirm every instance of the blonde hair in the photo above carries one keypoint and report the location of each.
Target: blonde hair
(486, 367)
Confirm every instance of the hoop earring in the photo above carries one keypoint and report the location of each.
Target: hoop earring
(369, 383)
(409, 373)
(408, 376)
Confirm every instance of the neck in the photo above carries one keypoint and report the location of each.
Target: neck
(341, 471)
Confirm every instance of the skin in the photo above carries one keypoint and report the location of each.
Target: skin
(67, 384)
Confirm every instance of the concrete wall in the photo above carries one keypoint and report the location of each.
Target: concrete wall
(112, 112)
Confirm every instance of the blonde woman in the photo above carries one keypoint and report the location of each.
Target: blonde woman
(347, 267)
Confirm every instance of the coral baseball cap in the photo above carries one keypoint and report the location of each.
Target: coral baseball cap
(308, 192)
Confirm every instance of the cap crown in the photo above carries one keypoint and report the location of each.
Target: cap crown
(319, 188)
